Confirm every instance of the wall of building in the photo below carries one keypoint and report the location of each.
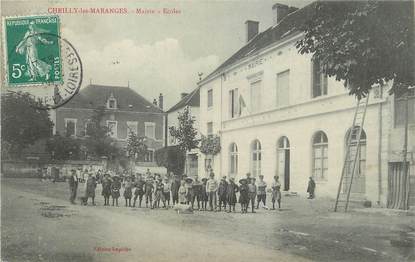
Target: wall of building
(83, 115)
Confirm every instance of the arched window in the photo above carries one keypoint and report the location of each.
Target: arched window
(233, 159)
(283, 161)
(320, 156)
(256, 158)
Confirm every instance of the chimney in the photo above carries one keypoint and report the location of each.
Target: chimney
(183, 95)
(280, 11)
(161, 101)
(251, 29)
(155, 102)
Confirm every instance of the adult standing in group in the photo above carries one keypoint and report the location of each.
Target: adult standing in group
(106, 189)
(311, 188)
(90, 186)
(73, 186)
(211, 188)
(175, 185)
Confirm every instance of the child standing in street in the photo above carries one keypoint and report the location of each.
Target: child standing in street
(223, 185)
(139, 190)
(182, 193)
(158, 194)
(276, 192)
(203, 194)
(149, 188)
(106, 189)
(115, 190)
(197, 188)
(128, 191)
(261, 192)
(231, 191)
(243, 195)
(252, 193)
(166, 191)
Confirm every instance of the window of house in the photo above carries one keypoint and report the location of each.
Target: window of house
(210, 128)
(112, 128)
(320, 156)
(319, 81)
(400, 108)
(149, 156)
(132, 127)
(210, 98)
(233, 103)
(233, 157)
(256, 96)
(150, 130)
(70, 126)
(256, 156)
(283, 88)
(89, 125)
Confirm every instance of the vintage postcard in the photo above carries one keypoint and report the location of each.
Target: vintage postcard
(263, 130)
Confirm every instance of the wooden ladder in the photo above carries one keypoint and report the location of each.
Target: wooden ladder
(352, 153)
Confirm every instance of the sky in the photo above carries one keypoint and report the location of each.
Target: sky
(154, 53)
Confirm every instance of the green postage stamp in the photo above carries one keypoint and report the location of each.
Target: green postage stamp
(32, 50)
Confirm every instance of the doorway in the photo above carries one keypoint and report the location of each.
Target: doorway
(283, 161)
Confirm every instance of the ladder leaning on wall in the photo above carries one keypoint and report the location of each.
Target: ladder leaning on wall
(351, 160)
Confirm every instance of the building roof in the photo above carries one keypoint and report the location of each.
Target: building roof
(192, 99)
(289, 26)
(94, 96)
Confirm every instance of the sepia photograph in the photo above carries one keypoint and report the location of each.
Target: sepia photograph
(211, 131)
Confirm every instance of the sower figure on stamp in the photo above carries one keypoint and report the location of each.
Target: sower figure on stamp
(311, 188)
(276, 192)
(139, 190)
(252, 194)
(261, 192)
(211, 189)
(223, 186)
(73, 186)
(115, 189)
(128, 191)
(231, 191)
(106, 189)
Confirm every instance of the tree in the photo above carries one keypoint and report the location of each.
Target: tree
(136, 146)
(363, 43)
(22, 122)
(185, 133)
(98, 141)
(63, 148)
(172, 158)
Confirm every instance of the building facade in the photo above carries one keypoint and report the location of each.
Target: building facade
(192, 102)
(125, 111)
(277, 114)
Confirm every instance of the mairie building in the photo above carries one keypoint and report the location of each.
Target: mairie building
(277, 114)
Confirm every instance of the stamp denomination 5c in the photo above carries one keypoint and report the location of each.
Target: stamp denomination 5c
(32, 55)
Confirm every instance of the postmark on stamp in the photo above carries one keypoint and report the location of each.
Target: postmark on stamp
(39, 61)
(32, 56)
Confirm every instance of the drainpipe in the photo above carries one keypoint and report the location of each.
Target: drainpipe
(380, 147)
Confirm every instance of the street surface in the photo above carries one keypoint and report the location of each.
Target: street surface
(39, 224)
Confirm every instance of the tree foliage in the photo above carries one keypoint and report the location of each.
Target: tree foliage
(185, 133)
(362, 42)
(22, 122)
(172, 158)
(98, 142)
(136, 146)
(63, 148)
(210, 145)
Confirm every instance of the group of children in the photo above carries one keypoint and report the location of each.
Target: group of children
(156, 191)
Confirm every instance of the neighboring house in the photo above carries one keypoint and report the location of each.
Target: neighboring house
(125, 111)
(191, 101)
(277, 114)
